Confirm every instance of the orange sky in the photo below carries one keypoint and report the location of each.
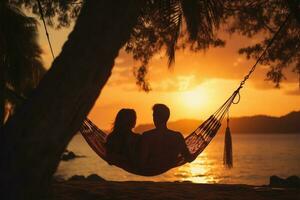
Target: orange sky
(194, 88)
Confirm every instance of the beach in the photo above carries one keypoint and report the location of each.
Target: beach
(89, 190)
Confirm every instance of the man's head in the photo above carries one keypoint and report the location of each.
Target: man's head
(161, 114)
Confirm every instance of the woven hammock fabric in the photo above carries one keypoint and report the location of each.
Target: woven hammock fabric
(196, 142)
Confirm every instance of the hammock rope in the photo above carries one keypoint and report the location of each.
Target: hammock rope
(45, 27)
(196, 142)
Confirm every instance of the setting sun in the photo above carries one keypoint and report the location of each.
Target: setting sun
(193, 98)
(193, 103)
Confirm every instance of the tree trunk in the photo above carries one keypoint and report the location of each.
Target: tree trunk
(2, 95)
(36, 136)
(2, 85)
(2, 69)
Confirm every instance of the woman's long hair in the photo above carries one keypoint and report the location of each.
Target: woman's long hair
(124, 122)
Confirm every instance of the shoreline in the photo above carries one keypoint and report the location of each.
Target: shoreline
(90, 189)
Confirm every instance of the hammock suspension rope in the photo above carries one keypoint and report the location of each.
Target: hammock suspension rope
(45, 27)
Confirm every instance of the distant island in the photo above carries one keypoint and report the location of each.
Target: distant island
(289, 123)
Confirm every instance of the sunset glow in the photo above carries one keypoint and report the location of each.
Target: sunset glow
(194, 88)
(194, 98)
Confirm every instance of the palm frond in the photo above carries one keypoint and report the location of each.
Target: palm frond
(201, 16)
(23, 64)
(160, 26)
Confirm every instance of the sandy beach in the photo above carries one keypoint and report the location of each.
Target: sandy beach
(88, 190)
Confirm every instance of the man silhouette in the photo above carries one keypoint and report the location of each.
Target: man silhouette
(160, 147)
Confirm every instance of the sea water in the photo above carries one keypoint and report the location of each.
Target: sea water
(256, 158)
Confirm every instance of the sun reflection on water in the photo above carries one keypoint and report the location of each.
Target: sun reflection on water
(200, 171)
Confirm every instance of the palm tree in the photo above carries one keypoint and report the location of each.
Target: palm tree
(21, 64)
(53, 114)
(34, 138)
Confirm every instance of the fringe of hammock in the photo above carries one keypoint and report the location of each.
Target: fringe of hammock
(228, 158)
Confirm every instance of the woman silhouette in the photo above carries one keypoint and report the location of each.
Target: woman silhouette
(122, 142)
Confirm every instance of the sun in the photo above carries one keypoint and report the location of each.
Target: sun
(193, 99)
(193, 103)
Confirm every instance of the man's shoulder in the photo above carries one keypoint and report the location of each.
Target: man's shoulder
(177, 133)
(169, 133)
(149, 132)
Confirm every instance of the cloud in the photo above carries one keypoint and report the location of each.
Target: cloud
(215, 63)
(238, 61)
(178, 83)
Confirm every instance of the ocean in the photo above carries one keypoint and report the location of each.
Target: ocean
(256, 158)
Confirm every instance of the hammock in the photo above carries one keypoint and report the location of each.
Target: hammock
(196, 142)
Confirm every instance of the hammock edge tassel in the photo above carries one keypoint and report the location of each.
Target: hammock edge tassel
(227, 158)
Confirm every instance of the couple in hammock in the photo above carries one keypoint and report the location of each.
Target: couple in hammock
(156, 149)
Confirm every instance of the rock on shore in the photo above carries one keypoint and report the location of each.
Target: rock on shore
(290, 182)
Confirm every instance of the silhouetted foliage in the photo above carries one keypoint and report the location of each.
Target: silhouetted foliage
(167, 25)
(21, 55)
(251, 18)
(160, 27)
(173, 24)
(58, 13)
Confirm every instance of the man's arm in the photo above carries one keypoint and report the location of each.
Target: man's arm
(184, 149)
